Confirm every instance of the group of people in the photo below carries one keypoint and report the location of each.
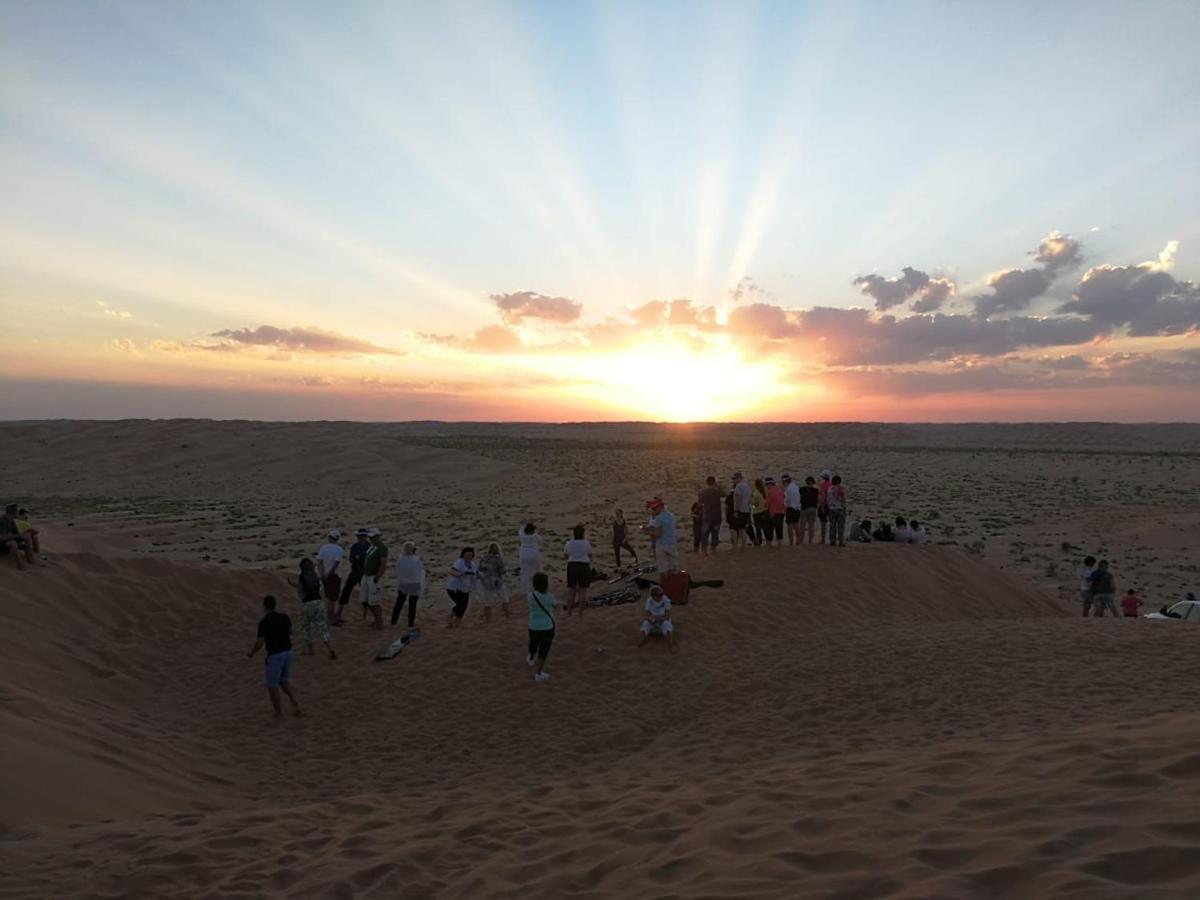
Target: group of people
(19, 538)
(1098, 591)
(763, 512)
(904, 532)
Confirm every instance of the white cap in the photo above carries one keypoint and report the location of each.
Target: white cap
(372, 532)
(335, 534)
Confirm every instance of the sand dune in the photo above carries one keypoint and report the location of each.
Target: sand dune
(874, 721)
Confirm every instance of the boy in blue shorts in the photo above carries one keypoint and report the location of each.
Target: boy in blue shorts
(275, 633)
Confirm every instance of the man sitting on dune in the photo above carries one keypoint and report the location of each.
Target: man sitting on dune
(12, 539)
(658, 618)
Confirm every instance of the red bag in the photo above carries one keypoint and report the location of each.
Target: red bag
(676, 585)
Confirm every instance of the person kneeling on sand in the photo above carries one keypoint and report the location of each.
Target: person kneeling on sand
(1130, 604)
(860, 532)
(275, 632)
(312, 612)
(657, 618)
(541, 605)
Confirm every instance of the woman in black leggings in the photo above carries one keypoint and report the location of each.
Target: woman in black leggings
(620, 540)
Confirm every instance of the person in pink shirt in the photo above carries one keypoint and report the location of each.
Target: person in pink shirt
(837, 500)
(776, 504)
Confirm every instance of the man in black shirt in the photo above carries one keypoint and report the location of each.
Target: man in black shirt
(275, 632)
(358, 556)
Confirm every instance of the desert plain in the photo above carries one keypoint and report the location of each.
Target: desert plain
(873, 721)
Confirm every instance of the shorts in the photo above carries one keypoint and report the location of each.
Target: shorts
(372, 591)
(663, 628)
(279, 668)
(490, 594)
(333, 586)
(741, 521)
(793, 516)
(666, 559)
(579, 574)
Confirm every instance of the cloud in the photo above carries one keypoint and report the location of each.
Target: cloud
(489, 339)
(1143, 297)
(316, 381)
(1058, 251)
(931, 293)
(517, 307)
(1014, 289)
(658, 313)
(306, 340)
(747, 289)
(764, 321)
(124, 345)
(115, 313)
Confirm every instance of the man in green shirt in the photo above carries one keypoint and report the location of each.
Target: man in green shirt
(374, 565)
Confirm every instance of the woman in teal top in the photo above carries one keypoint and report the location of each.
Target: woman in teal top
(541, 605)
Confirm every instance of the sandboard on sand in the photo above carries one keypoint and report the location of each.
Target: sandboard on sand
(393, 649)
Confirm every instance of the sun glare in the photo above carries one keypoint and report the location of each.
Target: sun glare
(672, 381)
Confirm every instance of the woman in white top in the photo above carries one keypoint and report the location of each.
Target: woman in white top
(462, 579)
(410, 576)
(530, 555)
(579, 570)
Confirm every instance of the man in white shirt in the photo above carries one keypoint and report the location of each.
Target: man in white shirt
(741, 510)
(657, 618)
(329, 560)
(791, 497)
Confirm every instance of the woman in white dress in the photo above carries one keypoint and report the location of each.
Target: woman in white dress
(530, 555)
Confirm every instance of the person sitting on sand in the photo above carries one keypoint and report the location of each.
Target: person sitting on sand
(620, 538)
(860, 532)
(1104, 591)
(541, 605)
(882, 534)
(662, 531)
(838, 502)
(578, 552)
(463, 572)
(410, 583)
(374, 567)
(358, 555)
(530, 554)
(916, 532)
(491, 580)
(27, 531)
(11, 539)
(657, 617)
(901, 534)
(275, 632)
(1085, 583)
(1130, 604)
(329, 560)
(809, 500)
(312, 613)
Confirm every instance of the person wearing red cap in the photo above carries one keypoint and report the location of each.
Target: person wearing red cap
(662, 531)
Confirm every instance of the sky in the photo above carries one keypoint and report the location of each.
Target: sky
(547, 211)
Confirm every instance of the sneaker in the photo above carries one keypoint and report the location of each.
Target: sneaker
(541, 679)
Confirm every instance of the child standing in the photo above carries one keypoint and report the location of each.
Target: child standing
(1130, 604)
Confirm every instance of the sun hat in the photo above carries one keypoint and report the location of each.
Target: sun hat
(335, 534)
(362, 532)
(787, 477)
(826, 474)
(373, 532)
(769, 480)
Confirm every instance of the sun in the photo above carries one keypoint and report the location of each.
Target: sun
(672, 380)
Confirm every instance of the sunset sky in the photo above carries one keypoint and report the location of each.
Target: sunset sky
(564, 211)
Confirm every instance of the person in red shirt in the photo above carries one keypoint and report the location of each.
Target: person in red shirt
(1130, 603)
